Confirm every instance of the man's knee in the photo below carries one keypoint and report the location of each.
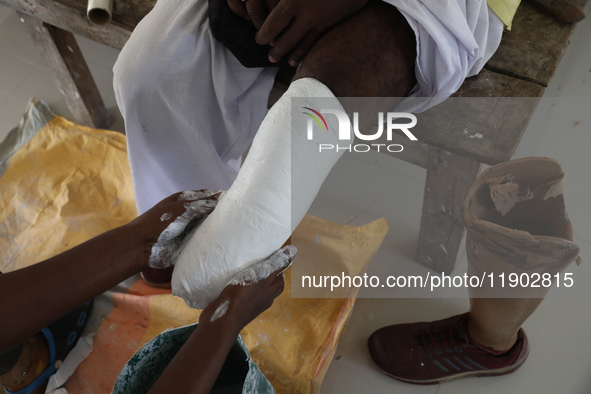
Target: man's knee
(370, 54)
(132, 79)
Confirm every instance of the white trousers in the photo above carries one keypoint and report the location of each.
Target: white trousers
(191, 109)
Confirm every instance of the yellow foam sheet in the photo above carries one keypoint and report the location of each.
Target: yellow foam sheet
(505, 10)
(70, 183)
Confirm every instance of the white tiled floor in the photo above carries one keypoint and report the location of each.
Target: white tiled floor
(560, 358)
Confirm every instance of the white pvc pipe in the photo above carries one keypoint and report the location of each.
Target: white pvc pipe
(100, 12)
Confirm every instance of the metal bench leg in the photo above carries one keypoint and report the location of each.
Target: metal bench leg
(449, 176)
(70, 71)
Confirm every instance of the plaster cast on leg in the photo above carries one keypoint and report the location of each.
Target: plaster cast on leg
(266, 202)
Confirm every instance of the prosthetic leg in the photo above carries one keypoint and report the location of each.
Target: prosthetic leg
(518, 230)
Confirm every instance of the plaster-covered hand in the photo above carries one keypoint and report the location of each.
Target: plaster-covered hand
(251, 291)
(166, 224)
(198, 363)
(296, 25)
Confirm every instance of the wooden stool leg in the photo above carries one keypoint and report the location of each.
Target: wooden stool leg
(449, 176)
(70, 71)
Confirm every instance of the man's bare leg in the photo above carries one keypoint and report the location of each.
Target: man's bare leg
(372, 54)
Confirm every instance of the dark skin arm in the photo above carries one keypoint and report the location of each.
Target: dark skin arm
(293, 26)
(196, 366)
(36, 296)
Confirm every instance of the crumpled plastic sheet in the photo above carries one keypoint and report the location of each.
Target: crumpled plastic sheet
(63, 184)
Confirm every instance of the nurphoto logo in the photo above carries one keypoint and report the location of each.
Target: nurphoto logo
(390, 124)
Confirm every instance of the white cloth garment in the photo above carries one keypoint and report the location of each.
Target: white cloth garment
(191, 109)
(455, 38)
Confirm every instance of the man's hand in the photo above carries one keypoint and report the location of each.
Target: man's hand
(296, 25)
(36, 296)
(197, 365)
(253, 10)
(166, 224)
(251, 291)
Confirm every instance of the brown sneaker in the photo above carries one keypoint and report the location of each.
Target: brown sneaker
(440, 351)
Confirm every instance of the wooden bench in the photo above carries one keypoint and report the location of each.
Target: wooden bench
(522, 67)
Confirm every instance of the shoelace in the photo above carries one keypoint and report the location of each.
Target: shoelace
(446, 334)
(452, 330)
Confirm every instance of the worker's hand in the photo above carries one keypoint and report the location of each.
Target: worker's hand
(165, 225)
(295, 25)
(251, 291)
(253, 10)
